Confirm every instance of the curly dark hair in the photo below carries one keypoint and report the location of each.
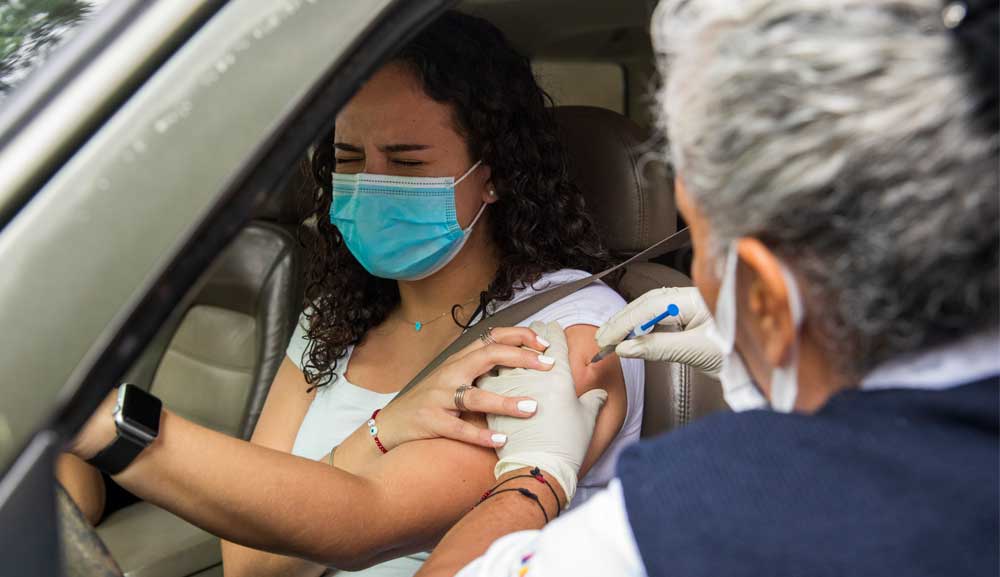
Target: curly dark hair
(539, 223)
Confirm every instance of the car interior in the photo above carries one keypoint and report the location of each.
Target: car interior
(214, 358)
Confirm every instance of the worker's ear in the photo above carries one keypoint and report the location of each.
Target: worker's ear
(767, 300)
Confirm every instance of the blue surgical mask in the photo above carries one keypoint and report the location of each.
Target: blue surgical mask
(399, 227)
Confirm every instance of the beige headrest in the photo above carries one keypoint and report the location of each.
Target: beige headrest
(624, 183)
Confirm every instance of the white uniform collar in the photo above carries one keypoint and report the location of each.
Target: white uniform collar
(965, 361)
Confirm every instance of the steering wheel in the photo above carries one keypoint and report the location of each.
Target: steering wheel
(83, 552)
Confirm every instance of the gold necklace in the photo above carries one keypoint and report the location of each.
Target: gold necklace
(419, 325)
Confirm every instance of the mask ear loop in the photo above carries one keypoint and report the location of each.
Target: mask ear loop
(468, 172)
(725, 305)
(784, 379)
(739, 389)
(482, 208)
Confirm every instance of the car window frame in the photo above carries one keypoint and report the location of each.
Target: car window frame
(259, 174)
(92, 58)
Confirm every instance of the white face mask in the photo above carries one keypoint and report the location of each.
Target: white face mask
(738, 387)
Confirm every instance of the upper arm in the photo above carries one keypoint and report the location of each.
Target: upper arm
(607, 375)
(284, 409)
(580, 314)
(288, 399)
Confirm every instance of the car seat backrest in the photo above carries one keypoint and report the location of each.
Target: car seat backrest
(630, 195)
(214, 361)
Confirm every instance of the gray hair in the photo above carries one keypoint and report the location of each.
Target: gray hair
(842, 134)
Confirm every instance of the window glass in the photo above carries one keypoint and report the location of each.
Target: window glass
(88, 246)
(31, 30)
(600, 84)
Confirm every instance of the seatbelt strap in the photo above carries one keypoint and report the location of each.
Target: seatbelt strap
(511, 315)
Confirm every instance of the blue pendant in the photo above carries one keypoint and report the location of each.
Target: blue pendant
(418, 325)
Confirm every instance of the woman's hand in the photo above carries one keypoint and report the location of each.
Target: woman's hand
(557, 437)
(692, 346)
(428, 410)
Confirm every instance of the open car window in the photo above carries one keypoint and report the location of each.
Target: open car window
(32, 30)
(93, 241)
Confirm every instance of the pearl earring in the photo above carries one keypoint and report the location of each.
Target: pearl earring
(493, 192)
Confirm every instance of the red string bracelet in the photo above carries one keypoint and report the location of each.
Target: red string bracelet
(523, 492)
(373, 431)
(535, 474)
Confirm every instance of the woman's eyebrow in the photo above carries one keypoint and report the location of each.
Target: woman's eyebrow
(403, 147)
(384, 148)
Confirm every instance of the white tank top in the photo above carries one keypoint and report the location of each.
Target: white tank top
(341, 407)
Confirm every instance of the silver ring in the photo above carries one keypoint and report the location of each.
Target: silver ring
(460, 398)
(487, 337)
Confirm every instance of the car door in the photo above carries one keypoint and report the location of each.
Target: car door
(127, 166)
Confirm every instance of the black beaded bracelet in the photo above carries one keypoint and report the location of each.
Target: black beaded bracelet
(535, 474)
(524, 492)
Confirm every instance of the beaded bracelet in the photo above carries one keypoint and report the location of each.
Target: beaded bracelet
(373, 431)
(523, 492)
(535, 474)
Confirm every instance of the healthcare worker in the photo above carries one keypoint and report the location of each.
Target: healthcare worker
(837, 163)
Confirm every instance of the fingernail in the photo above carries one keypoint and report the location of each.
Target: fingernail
(542, 342)
(498, 438)
(546, 360)
(527, 406)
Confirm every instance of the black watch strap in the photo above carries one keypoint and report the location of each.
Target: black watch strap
(119, 454)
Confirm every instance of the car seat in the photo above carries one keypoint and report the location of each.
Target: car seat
(212, 362)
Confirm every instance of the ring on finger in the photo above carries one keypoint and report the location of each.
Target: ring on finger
(487, 337)
(460, 398)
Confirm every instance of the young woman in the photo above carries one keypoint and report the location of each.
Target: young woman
(446, 196)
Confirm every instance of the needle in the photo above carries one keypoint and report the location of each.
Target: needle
(643, 329)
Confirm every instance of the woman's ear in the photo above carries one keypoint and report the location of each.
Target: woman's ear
(768, 301)
(490, 192)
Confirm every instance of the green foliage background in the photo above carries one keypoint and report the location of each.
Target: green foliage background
(30, 30)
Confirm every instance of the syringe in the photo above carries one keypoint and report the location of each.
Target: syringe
(640, 330)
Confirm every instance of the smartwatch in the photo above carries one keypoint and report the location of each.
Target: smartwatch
(137, 420)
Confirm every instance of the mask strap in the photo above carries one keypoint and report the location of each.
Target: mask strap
(468, 172)
(784, 379)
(475, 220)
(725, 305)
(468, 229)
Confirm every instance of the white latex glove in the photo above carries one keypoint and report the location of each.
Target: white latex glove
(556, 438)
(691, 346)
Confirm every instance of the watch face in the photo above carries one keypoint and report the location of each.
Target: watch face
(140, 413)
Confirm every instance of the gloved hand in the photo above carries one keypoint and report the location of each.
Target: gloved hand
(691, 346)
(556, 438)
